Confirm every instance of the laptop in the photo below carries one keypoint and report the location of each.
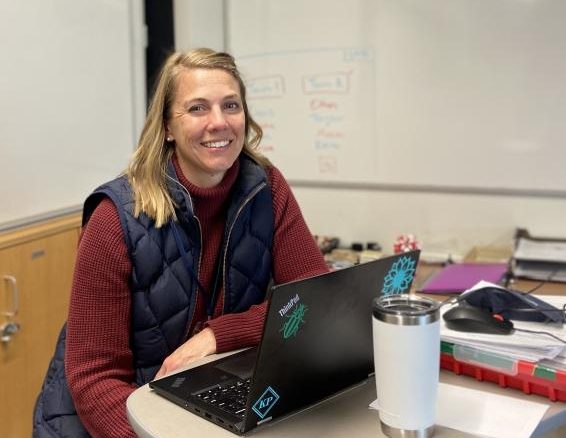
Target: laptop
(316, 342)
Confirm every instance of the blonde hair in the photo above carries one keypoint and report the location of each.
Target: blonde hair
(147, 171)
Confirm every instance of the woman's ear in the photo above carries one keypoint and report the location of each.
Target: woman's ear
(168, 135)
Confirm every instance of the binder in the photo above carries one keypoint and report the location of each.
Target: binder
(458, 277)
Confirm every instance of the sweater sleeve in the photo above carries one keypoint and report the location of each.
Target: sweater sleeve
(98, 359)
(295, 255)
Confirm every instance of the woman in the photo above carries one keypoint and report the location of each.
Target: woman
(176, 255)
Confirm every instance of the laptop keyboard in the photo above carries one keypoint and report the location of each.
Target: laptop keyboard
(230, 397)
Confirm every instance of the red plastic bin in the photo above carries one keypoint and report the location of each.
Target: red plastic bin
(529, 378)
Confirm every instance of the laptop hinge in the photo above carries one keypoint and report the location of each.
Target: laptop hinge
(265, 420)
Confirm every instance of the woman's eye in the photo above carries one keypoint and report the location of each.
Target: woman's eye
(196, 108)
(232, 105)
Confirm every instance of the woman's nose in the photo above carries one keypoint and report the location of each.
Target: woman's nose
(217, 119)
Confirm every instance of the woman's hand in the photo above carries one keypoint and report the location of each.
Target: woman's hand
(200, 345)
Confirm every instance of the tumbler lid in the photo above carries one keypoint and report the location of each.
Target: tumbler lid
(405, 309)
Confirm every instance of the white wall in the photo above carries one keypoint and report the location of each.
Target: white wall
(443, 221)
(448, 223)
(199, 23)
(72, 101)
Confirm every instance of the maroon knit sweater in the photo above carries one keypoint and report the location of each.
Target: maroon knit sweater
(98, 360)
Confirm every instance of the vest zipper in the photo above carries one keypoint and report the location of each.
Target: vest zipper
(198, 276)
(195, 297)
(246, 201)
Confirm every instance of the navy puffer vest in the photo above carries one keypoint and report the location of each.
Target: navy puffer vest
(163, 283)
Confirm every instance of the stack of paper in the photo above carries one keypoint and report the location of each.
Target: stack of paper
(532, 347)
(539, 258)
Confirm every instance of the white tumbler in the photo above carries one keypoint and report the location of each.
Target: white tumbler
(406, 347)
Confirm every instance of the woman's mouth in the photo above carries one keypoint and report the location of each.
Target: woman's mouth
(216, 144)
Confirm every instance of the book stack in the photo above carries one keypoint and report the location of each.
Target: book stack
(539, 258)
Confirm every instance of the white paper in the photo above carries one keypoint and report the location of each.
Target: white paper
(485, 414)
(531, 347)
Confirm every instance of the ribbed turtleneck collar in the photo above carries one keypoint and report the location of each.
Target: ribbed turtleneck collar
(208, 202)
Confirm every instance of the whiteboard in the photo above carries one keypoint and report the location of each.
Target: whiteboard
(444, 93)
(70, 103)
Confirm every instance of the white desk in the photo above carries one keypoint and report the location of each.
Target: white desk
(346, 415)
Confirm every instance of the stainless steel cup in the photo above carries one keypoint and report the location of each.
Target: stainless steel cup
(406, 345)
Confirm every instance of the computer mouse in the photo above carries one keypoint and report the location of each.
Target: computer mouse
(513, 304)
(465, 318)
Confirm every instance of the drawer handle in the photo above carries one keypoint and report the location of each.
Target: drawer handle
(15, 296)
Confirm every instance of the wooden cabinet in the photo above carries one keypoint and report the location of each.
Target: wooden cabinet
(36, 268)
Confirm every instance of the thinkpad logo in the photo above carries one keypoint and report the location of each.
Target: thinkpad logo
(294, 313)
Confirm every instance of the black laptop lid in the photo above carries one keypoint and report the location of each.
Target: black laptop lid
(317, 339)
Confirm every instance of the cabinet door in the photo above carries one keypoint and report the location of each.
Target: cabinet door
(43, 271)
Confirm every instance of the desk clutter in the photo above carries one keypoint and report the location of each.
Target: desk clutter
(339, 258)
(531, 357)
(527, 355)
(539, 258)
(358, 252)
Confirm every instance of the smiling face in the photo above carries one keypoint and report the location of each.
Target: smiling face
(207, 124)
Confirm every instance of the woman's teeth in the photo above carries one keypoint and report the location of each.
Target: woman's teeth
(215, 144)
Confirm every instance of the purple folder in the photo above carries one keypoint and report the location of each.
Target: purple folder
(461, 276)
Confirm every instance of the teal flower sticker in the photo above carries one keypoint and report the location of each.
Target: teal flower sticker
(400, 276)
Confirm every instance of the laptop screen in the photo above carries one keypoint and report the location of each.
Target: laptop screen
(318, 338)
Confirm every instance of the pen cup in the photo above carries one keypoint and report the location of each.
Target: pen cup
(406, 346)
